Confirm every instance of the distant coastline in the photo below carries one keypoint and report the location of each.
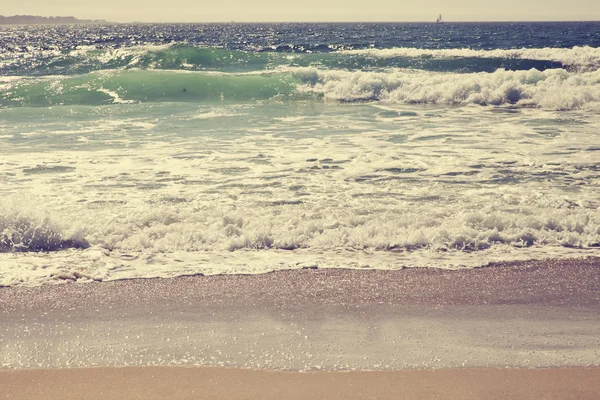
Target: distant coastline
(37, 20)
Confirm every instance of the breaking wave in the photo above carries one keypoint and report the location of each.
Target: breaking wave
(554, 89)
(184, 227)
(32, 232)
(191, 58)
(296, 227)
(173, 242)
(168, 230)
(578, 58)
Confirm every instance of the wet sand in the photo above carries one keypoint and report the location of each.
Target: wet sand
(498, 332)
(548, 283)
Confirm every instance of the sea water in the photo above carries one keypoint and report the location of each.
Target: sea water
(163, 150)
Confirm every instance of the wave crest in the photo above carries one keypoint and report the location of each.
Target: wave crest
(550, 89)
(181, 56)
(578, 58)
(28, 232)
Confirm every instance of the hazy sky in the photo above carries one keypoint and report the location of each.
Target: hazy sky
(309, 10)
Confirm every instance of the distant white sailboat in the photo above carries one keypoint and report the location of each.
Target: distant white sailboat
(439, 20)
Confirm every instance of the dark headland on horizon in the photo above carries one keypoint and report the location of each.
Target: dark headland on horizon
(35, 19)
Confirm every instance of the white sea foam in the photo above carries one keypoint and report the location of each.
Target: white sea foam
(216, 114)
(114, 96)
(26, 229)
(555, 89)
(578, 58)
(132, 54)
(288, 185)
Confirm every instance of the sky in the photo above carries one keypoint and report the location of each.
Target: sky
(308, 10)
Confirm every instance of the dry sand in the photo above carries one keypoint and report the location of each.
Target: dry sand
(223, 383)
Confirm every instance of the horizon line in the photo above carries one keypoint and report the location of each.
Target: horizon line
(100, 20)
(354, 21)
(345, 22)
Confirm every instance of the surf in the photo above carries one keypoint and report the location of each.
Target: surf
(185, 57)
(552, 89)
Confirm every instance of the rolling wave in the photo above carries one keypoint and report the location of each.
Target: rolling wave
(578, 58)
(109, 87)
(187, 57)
(555, 89)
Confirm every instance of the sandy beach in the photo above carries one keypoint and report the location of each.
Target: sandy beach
(514, 331)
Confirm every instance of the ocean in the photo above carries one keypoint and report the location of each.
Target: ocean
(131, 151)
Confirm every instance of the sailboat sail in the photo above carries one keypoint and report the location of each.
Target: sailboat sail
(439, 20)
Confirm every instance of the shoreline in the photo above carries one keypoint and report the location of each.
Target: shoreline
(568, 282)
(210, 383)
(535, 314)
